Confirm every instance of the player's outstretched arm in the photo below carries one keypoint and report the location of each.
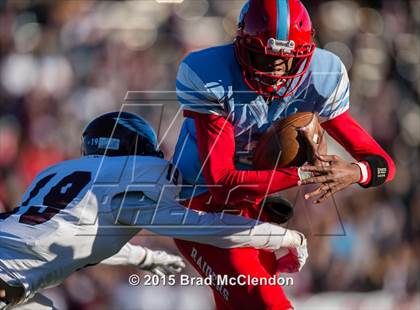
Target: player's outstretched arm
(363, 147)
(168, 218)
(157, 262)
(373, 167)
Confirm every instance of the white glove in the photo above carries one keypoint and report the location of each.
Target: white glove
(291, 260)
(161, 263)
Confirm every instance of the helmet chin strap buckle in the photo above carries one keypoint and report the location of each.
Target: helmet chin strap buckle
(279, 46)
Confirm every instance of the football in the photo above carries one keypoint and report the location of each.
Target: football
(282, 145)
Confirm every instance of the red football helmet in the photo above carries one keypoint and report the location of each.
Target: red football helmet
(276, 29)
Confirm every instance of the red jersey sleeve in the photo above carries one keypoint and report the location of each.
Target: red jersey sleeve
(216, 144)
(346, 131)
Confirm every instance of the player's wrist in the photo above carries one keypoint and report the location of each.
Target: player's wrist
(303, 175)
(361, 172)
(286, 238)
(148, 259)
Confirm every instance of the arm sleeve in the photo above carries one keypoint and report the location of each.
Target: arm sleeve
(216, 144)
(217, 229)
(346, 131)
(129, 255)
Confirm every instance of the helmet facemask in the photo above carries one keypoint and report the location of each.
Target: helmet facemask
(297, 60)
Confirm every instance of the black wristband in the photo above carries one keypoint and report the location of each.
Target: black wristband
(378, 170)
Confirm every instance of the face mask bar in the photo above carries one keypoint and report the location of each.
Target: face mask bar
(279, 47)
(259, 81)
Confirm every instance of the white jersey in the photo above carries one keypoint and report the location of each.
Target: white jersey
(80, 212)
(65, 219)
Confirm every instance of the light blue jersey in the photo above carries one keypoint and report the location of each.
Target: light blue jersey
(210, 81)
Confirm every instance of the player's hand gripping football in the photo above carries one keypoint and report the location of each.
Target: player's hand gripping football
(161, 263)
(315, 139)
(333, 177)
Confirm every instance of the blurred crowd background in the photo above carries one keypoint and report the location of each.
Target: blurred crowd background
(63, 62)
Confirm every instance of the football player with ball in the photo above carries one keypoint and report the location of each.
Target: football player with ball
(233, 98)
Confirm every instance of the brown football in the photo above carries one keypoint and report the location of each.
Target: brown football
(282, 145)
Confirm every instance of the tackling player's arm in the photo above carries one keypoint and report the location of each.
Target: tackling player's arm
(168, 218)
(157, 262)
